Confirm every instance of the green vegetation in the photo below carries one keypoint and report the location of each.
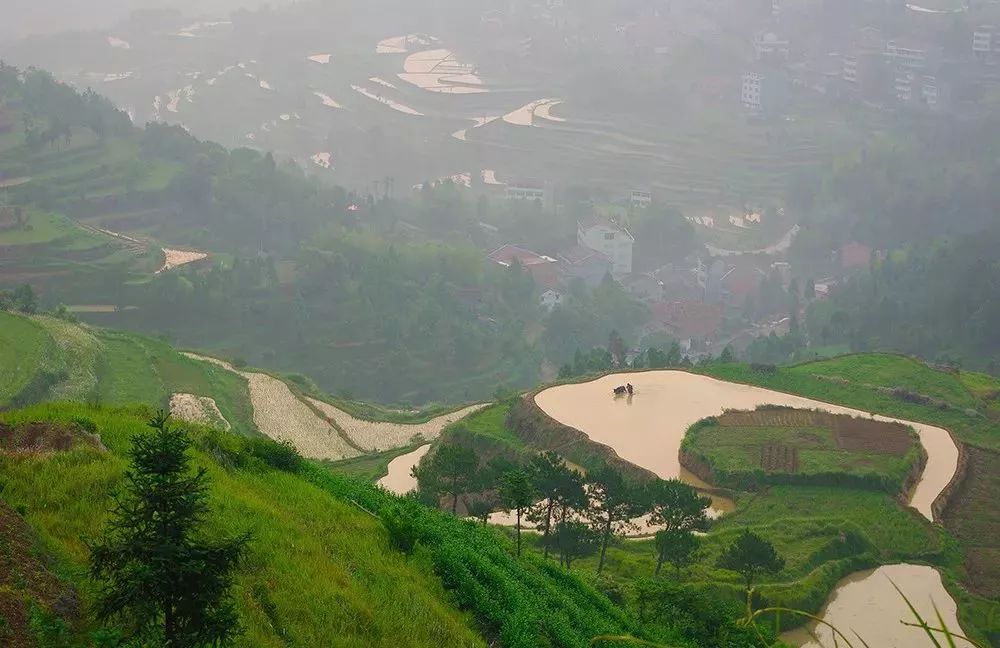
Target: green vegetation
(319, 566)
(771, 445)
(52, 359)
(370, 467)
(977, 542)
(183, 601)
(23, 344)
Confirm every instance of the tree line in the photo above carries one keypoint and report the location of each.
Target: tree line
(578, 516)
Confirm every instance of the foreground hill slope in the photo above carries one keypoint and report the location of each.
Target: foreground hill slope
(324, 566)
(320, 569)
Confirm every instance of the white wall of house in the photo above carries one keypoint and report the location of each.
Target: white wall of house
(613, 242)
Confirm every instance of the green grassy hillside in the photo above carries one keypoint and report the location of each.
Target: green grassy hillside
(320, 570)
(325, 566)
(50, 359)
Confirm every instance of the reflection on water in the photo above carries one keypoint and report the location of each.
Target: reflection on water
(867, 603)
(648, 432)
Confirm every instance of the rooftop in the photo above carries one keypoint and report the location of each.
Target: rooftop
(579, 254)
(689, 319)
(507, 254)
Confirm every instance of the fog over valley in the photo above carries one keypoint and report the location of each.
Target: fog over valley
(501, 323)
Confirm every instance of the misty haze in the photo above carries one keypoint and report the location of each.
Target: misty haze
(514, 323)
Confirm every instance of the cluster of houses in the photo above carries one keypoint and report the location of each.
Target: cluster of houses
(909, 66)
(690, 300)
(603, 248)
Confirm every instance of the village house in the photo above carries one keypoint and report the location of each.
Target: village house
(692, 323)
(640, 198)
(611, 240)
(586, 264)
(543, 269)
(550, 299)
(527, 189)
(855, 256)
(644, 287)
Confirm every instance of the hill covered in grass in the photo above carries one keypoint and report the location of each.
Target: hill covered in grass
(46, 358)
(331, 561)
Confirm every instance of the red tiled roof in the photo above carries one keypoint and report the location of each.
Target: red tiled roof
(855, 255)
(580, 254)
(689, 319)
(508, 253)
(543, 269)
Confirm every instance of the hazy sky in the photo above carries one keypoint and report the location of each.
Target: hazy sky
(22, 17)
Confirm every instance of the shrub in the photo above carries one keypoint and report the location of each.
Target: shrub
(277, 454)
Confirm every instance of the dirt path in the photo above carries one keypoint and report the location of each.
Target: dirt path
(378, 435)
(280, 415)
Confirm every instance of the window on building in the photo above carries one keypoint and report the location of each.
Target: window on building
(609, 236)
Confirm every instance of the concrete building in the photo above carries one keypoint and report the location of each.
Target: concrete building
(527, 189)
(985, 41)
(640, 198)
(763, 91)
(769, 46)
(609, 239)
(543, 269)
(912, 56)
(550, 299)
(586, 264)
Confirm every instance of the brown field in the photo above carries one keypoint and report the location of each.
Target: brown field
(972, 515)
(850, 433)
(777, 457)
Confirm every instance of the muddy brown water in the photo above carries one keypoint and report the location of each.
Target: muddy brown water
(866, 603)
(399, 480)
(647, 429)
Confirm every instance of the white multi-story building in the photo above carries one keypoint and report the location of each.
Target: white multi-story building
(640, 198)
(611, 240)
(983, 40)
(751, 93)
(908, 56)
(850, 71)
(526, 190)
(770, 45)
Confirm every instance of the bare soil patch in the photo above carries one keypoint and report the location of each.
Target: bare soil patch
(44, 437)
(280, 415)
(25, 581)
(197, 409)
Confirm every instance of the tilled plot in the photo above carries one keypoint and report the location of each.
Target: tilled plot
(280, 415)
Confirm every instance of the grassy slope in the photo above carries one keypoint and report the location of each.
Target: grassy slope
(23, 343)
(111, 367)
(320, 569)
(978, 543)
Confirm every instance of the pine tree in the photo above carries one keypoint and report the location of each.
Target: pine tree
(158, 574)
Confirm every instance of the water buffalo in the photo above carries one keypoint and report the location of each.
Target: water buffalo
(621, 391)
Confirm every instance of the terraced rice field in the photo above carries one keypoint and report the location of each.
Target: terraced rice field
(280, 415)
(374, 436)
(648, 430)
(197, 409)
